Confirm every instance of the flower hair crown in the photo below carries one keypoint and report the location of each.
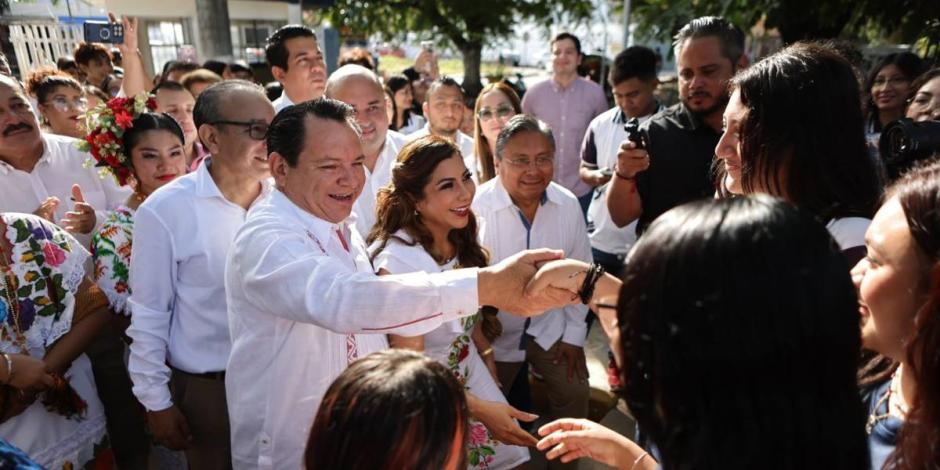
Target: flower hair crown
(107, 124)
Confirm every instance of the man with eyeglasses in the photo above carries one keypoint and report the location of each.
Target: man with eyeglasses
(182, 233)
(41, 173)
(297, 63)
(360, 88)
(523, 209)
(443, 107)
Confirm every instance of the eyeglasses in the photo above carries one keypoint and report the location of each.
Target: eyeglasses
(501, 112)
(63, 104)
(891, 81)
(540, 162)
(257, 130)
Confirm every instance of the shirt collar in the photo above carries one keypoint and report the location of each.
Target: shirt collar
(285, 99)
(206, 187)
(558, 88)
(503, 200)
(690, 120)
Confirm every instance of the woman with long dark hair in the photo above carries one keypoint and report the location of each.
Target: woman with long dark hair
(888, 88)
(899, 301)
(404, 120)
(813, 156)
(391, 409)
(722, 366)
(426, 224)
(495, 106)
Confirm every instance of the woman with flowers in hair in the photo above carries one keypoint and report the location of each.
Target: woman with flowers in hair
(144, 149)
(137, 147)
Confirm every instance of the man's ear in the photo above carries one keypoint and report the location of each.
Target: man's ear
(278, 167)
(425, 107)
(278, 73)
(209, 137)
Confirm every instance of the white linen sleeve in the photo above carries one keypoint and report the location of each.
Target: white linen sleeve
(152, 275)
(580, 249)
(284, 276)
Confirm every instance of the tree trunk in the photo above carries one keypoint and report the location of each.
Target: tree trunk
(471, 68)
(215, 37)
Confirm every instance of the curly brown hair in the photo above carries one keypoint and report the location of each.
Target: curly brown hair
(396, 203)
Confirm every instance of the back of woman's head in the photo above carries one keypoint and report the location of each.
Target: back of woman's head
(739, 328)
(396, 204)
(803, 135)
(919, 442)
(391, 409)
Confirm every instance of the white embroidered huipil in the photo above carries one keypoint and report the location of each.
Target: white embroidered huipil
(294, 295)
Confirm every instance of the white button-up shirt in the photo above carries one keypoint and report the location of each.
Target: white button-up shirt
(294, 296)
(60, 166)
(464, 142)
(281, 102)
(504, 232)
(380, 176)
(182, 234)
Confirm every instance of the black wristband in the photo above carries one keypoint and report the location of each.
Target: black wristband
(591, 277)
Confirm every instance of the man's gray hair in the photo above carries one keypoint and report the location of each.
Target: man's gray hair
(209, 104)
(522, 123)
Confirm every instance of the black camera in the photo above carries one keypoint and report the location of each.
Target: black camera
(102, 31)
(633, 133)
(905, 142)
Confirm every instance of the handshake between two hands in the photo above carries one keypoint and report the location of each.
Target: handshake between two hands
(531, 282)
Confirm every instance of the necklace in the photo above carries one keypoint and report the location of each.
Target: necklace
(874, 417)
(12, 299)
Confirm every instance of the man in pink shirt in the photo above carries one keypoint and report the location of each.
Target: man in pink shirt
(568, 103)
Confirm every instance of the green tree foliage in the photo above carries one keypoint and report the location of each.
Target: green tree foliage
(905, 21)
(467, 24)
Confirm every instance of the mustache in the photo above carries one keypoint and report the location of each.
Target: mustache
(16, 127)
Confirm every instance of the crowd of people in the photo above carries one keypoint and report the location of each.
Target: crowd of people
(354, 270)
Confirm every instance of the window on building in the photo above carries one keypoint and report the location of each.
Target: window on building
(166, 38)
(248, 39)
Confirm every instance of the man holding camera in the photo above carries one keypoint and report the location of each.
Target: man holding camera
(675, 166)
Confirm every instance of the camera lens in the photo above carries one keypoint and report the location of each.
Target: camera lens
(104, 33)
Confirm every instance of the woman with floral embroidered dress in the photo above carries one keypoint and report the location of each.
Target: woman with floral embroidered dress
(49, 314)
(148, 152)
(425, 224)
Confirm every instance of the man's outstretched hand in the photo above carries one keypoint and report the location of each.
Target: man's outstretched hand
(503, 285)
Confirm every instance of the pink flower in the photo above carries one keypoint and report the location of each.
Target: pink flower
(54, 255)
(477, 434)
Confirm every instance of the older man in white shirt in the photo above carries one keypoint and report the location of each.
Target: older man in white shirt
(302, 296)
(360, 88)
(41, 172)
(444, 108)
(182, 234)
(522, 209)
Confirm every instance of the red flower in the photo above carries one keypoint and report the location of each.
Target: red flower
(124, 119)
(104, 138)
(54, 255)
(464, 351)
(117, 104)
(151, 103)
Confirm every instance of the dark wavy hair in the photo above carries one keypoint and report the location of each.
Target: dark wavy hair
(739, 332)
(394, 409)
(918, 444)
(485, 157)
(813, 156)
(392, 85)
(46, 80)
(396, 203)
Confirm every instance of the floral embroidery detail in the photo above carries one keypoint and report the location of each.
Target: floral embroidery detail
(46, 273)
(480, 452)
(111, 249)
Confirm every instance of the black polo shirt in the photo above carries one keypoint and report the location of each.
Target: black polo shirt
(681, 149)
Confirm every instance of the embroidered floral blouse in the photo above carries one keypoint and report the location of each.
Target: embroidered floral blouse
(47, 270)
(111, 251)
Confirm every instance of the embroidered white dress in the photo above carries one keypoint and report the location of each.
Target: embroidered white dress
(451, 345)
(46, 256)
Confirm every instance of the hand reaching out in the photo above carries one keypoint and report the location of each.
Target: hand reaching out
(568, 439)
(503, 284)
(82, 218)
